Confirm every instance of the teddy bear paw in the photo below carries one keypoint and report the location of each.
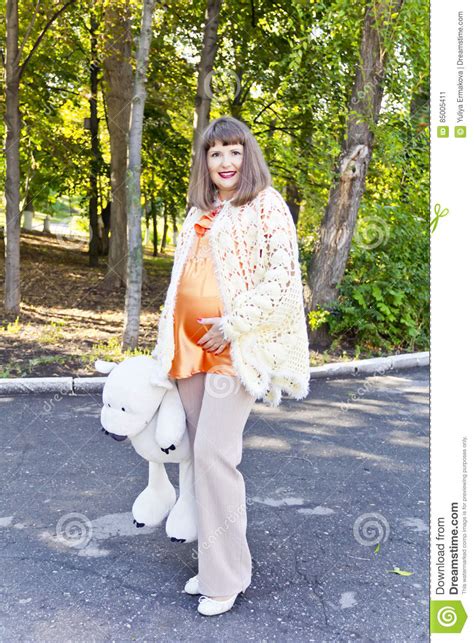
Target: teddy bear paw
(170, 448)
(153, 505)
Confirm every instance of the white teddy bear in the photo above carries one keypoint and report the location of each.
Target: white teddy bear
(151, 414)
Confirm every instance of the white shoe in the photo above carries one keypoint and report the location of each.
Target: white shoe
(192, 586)
(210, 607)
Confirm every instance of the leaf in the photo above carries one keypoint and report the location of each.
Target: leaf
(399, 571)
(377, 549)
(397, 296)
(385, 309)
(377, 293)
(359, 297)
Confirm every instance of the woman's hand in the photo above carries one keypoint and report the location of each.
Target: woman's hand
(213, 341)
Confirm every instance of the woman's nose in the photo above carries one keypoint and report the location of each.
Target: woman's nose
(226, 162)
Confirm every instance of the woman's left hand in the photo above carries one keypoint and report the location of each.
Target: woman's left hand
(213, 341)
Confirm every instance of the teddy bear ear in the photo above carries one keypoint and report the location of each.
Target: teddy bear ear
(104, 367)
(158, 380)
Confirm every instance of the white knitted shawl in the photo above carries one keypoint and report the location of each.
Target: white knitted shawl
(264, 317)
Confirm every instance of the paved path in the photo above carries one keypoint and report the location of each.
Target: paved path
(355, 450)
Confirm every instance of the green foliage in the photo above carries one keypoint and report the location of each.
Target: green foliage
(12, 328)
(25, 368)
(111, 351)
(52, 333)
(384, 295)
(318, 317)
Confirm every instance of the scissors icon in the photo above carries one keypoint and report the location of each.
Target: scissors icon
(438, 215)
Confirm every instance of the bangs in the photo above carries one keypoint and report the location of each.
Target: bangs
(225, 132)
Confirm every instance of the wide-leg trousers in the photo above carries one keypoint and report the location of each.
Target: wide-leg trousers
(217, 407)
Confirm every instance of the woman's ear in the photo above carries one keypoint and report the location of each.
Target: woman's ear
(104, 367)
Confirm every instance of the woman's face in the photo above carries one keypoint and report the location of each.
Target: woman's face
(224, 162)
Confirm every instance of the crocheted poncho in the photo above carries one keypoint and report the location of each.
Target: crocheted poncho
(255, 253)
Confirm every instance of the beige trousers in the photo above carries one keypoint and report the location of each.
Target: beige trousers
(217, 407)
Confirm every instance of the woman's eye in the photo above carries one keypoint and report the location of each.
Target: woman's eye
(233, 152)
(108, 405)
(123, 409)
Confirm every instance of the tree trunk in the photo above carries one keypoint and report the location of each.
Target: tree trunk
(202, 102)
(12, 185)
(104, 225)
(330, 256)
(28, 211)
(29, 201)
(165, 228)
(95, 151)
(155, 228)
(175, 226)
(135, 250)
(293, 199)
(119, 82)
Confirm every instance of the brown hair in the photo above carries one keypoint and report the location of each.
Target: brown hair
(254, 172)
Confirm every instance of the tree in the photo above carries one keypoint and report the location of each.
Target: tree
(135, 249)
(14, 71)
(337, 228)
(206, 65)
(12, 185)
(96, 158)
(118, 96)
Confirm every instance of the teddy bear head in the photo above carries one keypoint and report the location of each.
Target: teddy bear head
(131, 396)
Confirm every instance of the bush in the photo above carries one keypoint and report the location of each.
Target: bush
(384, 294)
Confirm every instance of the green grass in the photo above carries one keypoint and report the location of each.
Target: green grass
(24, 369)
(110, 351)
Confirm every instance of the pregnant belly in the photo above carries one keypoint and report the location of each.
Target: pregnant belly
(197, 296)
(189, 308)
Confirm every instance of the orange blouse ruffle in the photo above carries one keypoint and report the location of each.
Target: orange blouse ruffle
(198, 296)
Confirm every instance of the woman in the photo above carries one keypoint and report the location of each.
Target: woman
(232, 330)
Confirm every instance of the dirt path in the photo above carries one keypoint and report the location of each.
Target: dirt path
(66, 314)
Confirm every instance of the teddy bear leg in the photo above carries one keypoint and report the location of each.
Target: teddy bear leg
(156, 500)
(181, 524)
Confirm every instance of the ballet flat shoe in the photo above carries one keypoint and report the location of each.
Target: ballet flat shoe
(209, 607)
(192, 586)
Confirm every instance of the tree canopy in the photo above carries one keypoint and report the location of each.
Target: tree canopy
(288, 70)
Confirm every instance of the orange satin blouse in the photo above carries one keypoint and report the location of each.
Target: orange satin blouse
(198, 296)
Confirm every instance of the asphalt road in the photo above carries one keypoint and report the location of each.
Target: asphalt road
(327, 478)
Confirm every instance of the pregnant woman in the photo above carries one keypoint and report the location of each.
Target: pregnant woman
(232, 330)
